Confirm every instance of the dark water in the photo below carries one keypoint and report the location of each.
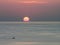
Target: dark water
(30, 33)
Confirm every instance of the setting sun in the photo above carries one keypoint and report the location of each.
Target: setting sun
(26, 19)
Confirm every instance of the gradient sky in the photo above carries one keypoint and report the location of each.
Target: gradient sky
(37, 10)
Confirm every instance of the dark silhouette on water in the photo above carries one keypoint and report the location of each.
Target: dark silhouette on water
(13, 37)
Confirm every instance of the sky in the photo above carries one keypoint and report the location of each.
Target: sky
(36, 10)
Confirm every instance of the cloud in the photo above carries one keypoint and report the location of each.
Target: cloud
(25, 1)
(37, 2)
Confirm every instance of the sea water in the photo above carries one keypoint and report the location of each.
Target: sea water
(30, 33)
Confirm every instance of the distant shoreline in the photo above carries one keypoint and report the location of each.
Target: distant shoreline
(33, 22)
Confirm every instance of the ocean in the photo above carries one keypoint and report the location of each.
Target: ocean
(30, 33)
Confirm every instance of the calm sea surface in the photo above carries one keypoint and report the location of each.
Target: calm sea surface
(30, 33)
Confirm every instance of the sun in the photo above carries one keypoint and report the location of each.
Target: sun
(26, 19)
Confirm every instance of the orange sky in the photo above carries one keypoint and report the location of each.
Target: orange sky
(24, 0)
(31, 1)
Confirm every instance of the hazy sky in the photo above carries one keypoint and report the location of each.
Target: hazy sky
(37, 10)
